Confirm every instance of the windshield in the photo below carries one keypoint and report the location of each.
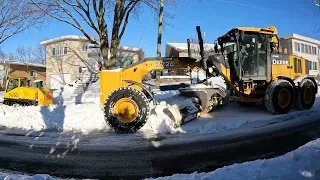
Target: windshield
(229, 47)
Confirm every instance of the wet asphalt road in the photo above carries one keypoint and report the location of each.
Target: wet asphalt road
(94, 156)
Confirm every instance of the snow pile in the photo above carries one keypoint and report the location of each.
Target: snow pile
(160, 120)
(15, 176)
(162, 95)
(59, 96)
(166, 117)
(217, 81)
(84, 117)
(1, 96)
(91, 95)
(302, 163)
(197, 75)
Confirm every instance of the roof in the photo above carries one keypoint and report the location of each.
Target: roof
(84, 38)
(302, 38)
(64, 38)
(22, 63)
(127, 48)
(184, 46)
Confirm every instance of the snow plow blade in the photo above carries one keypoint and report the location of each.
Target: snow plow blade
(200, 101)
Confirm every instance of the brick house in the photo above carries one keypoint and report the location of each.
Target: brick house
(21, 69)
(71, 58)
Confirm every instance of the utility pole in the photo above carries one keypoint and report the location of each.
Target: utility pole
(158, 72)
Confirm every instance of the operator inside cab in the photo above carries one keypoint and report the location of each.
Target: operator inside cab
(25, 82)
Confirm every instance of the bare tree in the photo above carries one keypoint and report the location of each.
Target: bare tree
(17, 16)
(39, 54)
(95, 14)
(3, 55)
(24, 54)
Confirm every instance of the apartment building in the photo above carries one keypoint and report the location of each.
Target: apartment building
(305, 47)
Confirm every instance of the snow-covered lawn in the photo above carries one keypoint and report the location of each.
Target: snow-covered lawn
(302, 163)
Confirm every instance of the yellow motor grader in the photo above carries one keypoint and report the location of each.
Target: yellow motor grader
(20, 91)
(250, 62)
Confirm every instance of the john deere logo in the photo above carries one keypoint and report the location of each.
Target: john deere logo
(284, 62)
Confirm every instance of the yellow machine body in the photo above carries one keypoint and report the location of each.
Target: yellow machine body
(19, 91)
(257, 69)
(117, 78)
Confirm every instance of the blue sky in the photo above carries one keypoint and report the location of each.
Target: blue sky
(214, 16)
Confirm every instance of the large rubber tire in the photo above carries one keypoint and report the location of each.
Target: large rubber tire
(143, 110)
(272, 93)
(306, 95)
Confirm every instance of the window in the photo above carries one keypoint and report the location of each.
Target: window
(302, 47)
(58, 51)
(314, 50)
(84, 48)
(25, 83)
(13, 83)
(309, 49)
(314, 66)
(297, 65)
(297, 46)
(53, 51)
(33, 73)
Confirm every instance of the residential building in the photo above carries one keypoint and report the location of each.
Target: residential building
(32, 71)
(72, 58)
(305, 47)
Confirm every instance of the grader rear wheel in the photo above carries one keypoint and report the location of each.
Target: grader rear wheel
(279, 97)
(306, 95)
(126, 110)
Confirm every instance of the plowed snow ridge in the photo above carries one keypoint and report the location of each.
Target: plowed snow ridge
(83, 113)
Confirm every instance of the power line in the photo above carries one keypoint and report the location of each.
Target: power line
(242, 4)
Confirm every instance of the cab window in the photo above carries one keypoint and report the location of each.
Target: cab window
(25, 83)
(297, 65)
(13, 83)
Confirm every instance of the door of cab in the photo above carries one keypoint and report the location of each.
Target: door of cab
(282, 65)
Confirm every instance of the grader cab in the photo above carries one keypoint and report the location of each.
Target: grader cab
(256, 69)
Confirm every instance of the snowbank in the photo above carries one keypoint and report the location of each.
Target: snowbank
(81, 117)
(1, 96)
(4, 174)
(91, 95)
(85, 114)
(302, 163)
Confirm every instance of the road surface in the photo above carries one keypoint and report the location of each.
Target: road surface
(135, 156)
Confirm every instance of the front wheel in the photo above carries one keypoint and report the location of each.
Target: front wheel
(306, 95)
(126, 110)
(279, 97)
